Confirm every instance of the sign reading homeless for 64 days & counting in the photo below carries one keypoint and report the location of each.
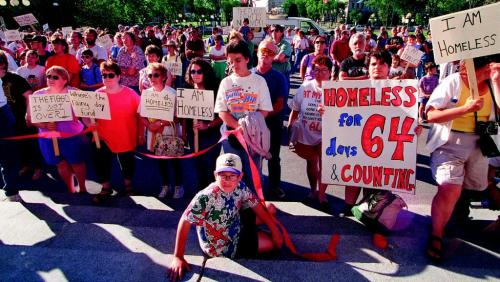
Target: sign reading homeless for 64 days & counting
(368, 134)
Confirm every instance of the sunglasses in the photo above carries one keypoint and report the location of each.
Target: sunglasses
(108, 75)
(267, 52)
(155, 75)
(320, 42)
(196, 71)
(53, 77)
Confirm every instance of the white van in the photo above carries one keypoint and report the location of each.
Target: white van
(304, 23)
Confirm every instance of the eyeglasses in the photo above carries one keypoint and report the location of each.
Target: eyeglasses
(230, 177)
(267, 52)
(196, 71)
(320, 42)
(155, 75)
(321, 70)
(53, 77)
(108, 75)
(86, 56)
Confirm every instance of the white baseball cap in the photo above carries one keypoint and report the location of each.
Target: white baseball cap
(228, 162)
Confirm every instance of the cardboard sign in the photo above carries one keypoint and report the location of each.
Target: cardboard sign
(90, 104)
(67, 30)
(175, 68)
(195, 104)
(159, 105)
(50, 108)
(45, 27)
(105, 41)
(25, 20)
(12, 35)
(412, 55)
(466, 34)
(369, 139)
(226, 30)
(256, 16)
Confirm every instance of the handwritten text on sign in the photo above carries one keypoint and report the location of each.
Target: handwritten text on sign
(50, 108)
(466, 34)
(159, 105)
(195, 104)
(175, 68)
(27, 19)
(12, 35)
(411, 55)
(368, 137)
(90, 104)
(256, 16)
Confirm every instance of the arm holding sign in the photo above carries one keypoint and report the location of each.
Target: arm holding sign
(495, 82)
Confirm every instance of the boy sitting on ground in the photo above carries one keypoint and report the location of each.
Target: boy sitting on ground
(225, 225)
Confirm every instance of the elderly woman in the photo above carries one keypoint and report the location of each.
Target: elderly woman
(71, 159)
(130, 59)
(305, 122)
(63, 59)
(153, 55)
(120, 134)
(456, 160)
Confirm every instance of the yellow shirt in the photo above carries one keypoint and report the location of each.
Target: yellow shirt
(465, 123)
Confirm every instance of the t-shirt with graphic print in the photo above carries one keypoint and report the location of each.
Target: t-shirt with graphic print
(306, 102)
(240, 95)
(216, 215)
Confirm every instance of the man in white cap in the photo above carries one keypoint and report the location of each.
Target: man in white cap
(226, 214)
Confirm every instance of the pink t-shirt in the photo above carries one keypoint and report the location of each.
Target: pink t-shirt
(120, 132)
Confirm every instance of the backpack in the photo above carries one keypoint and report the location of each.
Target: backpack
(379, 209)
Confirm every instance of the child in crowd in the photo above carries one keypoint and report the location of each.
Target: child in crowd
(32, 71)
(426, 85)
(226, 214)
(90, 75)
(396, 68)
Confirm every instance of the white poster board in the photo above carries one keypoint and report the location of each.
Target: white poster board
(50, 108)
(195, 104)
(226, 30)
(90, 104)
(27, 19)
(45, 27)
(466, 34)
(175, 68)
(66, 31)
(105, 41)
(158, 105)
(368, 137)
(12, 35)
(411, 55)
(256, 16)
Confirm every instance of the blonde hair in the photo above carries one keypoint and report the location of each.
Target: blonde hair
(60, 71)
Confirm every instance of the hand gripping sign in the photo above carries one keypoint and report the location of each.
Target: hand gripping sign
(368, 137)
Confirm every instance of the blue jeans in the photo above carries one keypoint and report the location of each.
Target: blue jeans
(9, 164)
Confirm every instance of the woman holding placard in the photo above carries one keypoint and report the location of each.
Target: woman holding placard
(71, 159)
(200, 75)
(159, 132)
(120, 134)
(457, 161)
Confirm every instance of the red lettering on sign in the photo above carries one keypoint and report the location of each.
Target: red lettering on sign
(400, 138)
(367, 139)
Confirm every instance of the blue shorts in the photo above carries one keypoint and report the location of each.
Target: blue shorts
(71, 150)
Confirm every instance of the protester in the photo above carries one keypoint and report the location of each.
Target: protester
(218, 57)
(306, 66)
(90, 43)
(117, 46)
(71, 160)
(245, 29)
(456, 160)
(200, 75)
(153, 55)
(39, 43)
(90, 74)
(354, 67)
(226, 215)
(76, 39)
(426, 86)
(63, 59)
(120, 134)
(130, 59)
(301, 47)
(396, 70)
(281, 61)
(339, 51)
(394, 43)
(31, 71)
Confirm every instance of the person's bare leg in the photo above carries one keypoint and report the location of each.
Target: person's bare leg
(66, 174)
(351, 194)
(442, 207)
(80, 171)
(312, 176)
(265, 242)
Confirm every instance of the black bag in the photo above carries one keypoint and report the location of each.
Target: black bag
(488, 147)
(485, 129)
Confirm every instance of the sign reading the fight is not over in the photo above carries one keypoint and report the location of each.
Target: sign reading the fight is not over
(159, 105)
(256, 16)
(50, 108)
(466, 34)
(25, 20)
(90, 104)
(195, 104)
(368, 134)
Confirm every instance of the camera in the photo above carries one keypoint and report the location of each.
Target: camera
(487, 128)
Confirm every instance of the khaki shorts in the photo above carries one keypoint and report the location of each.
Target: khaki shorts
(460, 162)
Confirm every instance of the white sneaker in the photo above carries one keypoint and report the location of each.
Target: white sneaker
(164, 191)
(13, 198)
(178, 192)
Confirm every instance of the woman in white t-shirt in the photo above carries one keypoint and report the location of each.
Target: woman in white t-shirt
(218, 57)
(305, 123)
(32, 72)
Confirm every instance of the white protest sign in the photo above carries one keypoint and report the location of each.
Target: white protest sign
(195, 104)
(105, 41)
(226, 30)
(2, 35)
(25, 20)
(369, 139)
(50, 108)
(90, 104)
(66, 31)
(256, 16)
(411, 55)
(466, 34)
(12, 35)
(45, 27)
(159, 105)
(175, 68)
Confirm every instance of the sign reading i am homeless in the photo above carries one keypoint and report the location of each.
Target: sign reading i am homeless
(368, 134)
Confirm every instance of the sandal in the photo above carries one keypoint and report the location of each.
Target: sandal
(102, 197)
(435, 254)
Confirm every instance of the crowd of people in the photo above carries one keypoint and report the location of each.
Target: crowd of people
(251, 86)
